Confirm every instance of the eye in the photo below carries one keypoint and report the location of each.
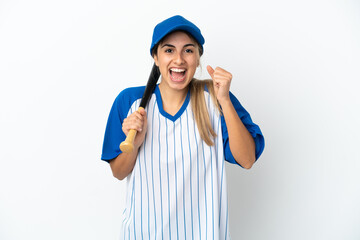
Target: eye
(169, 50)
(189, 50)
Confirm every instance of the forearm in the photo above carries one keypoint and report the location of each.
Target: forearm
(242, 145)
(123, 164)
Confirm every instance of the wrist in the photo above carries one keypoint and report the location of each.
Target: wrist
(224, 101)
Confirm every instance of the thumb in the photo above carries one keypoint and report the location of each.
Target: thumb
(142, 111)
(210, 71)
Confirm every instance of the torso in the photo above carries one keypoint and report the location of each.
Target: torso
(177, 189)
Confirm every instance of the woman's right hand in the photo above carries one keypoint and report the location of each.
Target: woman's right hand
(137, 121)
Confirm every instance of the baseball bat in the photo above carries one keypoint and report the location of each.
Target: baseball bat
(128, 144)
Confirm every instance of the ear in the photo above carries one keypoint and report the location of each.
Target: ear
(156, 60)
(198, 59)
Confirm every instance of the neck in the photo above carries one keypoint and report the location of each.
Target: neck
(172, 99)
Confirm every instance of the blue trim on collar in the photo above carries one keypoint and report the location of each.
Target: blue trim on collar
(161, 109)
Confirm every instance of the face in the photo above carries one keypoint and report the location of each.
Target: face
(177, 58)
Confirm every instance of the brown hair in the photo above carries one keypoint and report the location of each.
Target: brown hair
(198, 103)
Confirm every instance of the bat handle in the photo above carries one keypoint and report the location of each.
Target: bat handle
(128, 144)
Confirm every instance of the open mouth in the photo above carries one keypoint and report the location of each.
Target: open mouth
(177, 74)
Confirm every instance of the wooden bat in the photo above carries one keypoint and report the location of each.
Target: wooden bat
(128, 144)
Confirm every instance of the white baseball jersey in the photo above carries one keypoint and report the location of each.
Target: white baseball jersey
(177, 188)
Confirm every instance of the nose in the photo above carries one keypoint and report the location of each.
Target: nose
(178, 58)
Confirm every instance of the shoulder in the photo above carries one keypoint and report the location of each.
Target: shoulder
(129, 95)
(126, 98)
(132, 92)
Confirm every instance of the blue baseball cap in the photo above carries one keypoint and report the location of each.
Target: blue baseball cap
(173, 24)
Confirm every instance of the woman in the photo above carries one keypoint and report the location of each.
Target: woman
(175, 175)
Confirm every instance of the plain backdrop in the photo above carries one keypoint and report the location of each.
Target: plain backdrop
(296, 69)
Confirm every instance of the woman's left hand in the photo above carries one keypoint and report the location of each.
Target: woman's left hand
(221, 79)
(242, 145)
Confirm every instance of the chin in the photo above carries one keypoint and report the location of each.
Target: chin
(180, 85)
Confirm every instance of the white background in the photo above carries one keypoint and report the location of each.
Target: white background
(296, 68)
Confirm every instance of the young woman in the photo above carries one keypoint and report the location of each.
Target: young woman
(176, 181)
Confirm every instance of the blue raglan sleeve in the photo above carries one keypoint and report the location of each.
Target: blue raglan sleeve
(113, 132)
(253, 129)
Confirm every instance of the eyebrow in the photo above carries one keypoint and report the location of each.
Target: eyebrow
(186, 45)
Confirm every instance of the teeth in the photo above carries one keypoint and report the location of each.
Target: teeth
(177, 70)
